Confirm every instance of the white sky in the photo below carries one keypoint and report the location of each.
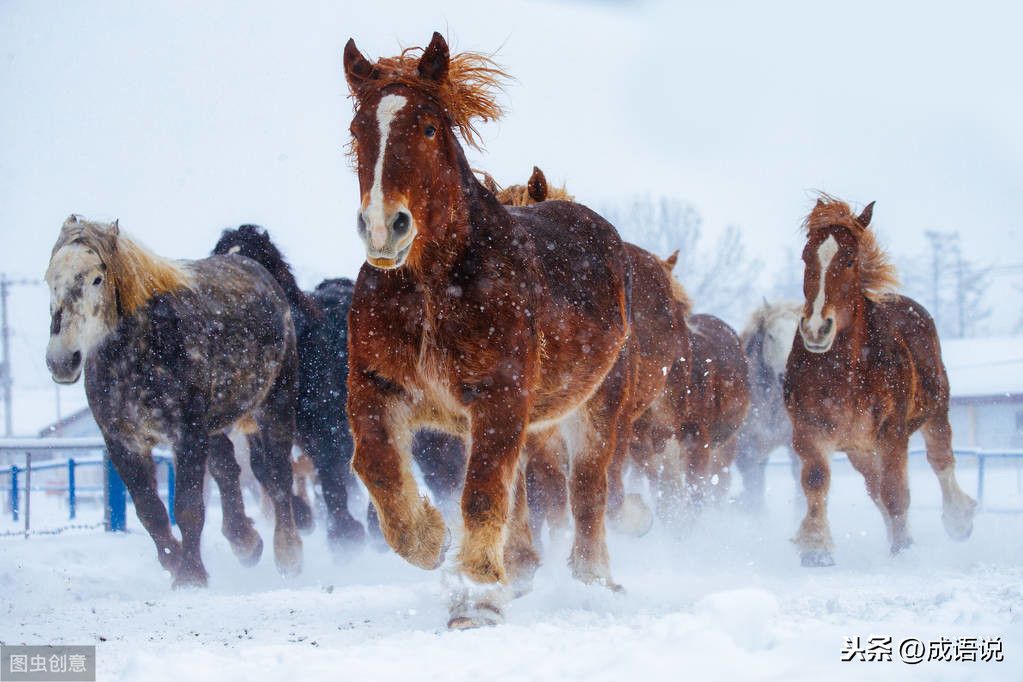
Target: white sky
(184, 118)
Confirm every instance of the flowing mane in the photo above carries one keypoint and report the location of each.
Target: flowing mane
(518, 195)
(467, 92)
(136, 273)
(878, 277)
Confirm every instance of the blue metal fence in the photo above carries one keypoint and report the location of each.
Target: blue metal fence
(115, 494)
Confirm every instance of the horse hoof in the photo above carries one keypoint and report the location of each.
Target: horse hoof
(303, 515)
(634, 518)
(959, 527)
(817, 558)
(480, 616)
(288, 555)
(190, 578)
(249, 553)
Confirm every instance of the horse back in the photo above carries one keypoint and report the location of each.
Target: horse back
(209, 354)
(718, 375)
(904, 343)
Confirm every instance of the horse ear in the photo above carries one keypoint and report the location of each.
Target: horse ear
(537, 185)
(864, 217)
(358, 69)
(115, 227)
(489, 182)
(71, 219)
(433, 65)
(670, 261)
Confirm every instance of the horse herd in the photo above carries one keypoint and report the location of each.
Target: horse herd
(507, 341)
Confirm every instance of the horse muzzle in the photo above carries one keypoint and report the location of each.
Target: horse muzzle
(389, 243)
(817, 340)
(65, 368)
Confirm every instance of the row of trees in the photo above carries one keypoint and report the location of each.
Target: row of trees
(725, 279)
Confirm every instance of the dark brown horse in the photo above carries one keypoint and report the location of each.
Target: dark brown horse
(485, 322)
(865, 373)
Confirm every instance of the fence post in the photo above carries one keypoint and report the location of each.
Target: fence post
(980, 480)
(71, 501)
(170, 491)
(14, 492)
(115, 507)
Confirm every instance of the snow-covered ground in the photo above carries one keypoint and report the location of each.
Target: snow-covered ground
(728, 602)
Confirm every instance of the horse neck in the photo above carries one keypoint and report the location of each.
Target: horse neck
(850, 340)
(470, 211)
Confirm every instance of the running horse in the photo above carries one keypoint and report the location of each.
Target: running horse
(180, 352)
(766, 341)
(486, 322)
(865, 374)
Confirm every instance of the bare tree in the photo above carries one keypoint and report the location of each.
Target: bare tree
(720, 277)
(953, 288)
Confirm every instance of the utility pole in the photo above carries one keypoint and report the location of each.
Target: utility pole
(6, 379)
(5, 369)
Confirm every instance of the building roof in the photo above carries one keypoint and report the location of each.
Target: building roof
(984, 367)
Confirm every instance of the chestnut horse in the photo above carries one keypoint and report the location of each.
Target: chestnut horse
(482, 321)
(658, 337)
(687, 453)
(865, 373)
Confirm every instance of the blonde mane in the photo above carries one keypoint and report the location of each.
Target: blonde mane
(879, 279)
(468, 93)
(761, 318)
(136, 273)
(533, 192)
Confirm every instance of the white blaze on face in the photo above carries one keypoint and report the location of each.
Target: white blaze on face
(825, 253)
(376, 221)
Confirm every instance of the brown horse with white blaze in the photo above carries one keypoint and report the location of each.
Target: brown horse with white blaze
(481, 321)
(865, 373)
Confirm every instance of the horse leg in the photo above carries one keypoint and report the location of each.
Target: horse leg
(957, 508)
(867, 464)
(380, 422)
(138, 472)
(520, 556)
(343, 531)
(627, 513)
(751, 461)
(190, 454)
(895, 489)
(698, 465)
(301, 508)
(546, 483)
(722, 459)
(236, 527)
(271, 463)
(600, 417)
(814, 537)
(498, 438)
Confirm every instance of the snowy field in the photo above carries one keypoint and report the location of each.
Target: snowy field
(728, 602)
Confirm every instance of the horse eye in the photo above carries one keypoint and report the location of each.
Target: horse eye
(849, 263)
(429, 131)
(96, 282)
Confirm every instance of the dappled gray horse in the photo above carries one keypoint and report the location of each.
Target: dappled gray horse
(181, 353)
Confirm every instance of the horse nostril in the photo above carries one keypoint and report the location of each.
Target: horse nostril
(826, 329)
(361, 224)
(76, 358)
(401, 224)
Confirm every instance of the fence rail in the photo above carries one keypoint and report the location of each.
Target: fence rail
(115, 495)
